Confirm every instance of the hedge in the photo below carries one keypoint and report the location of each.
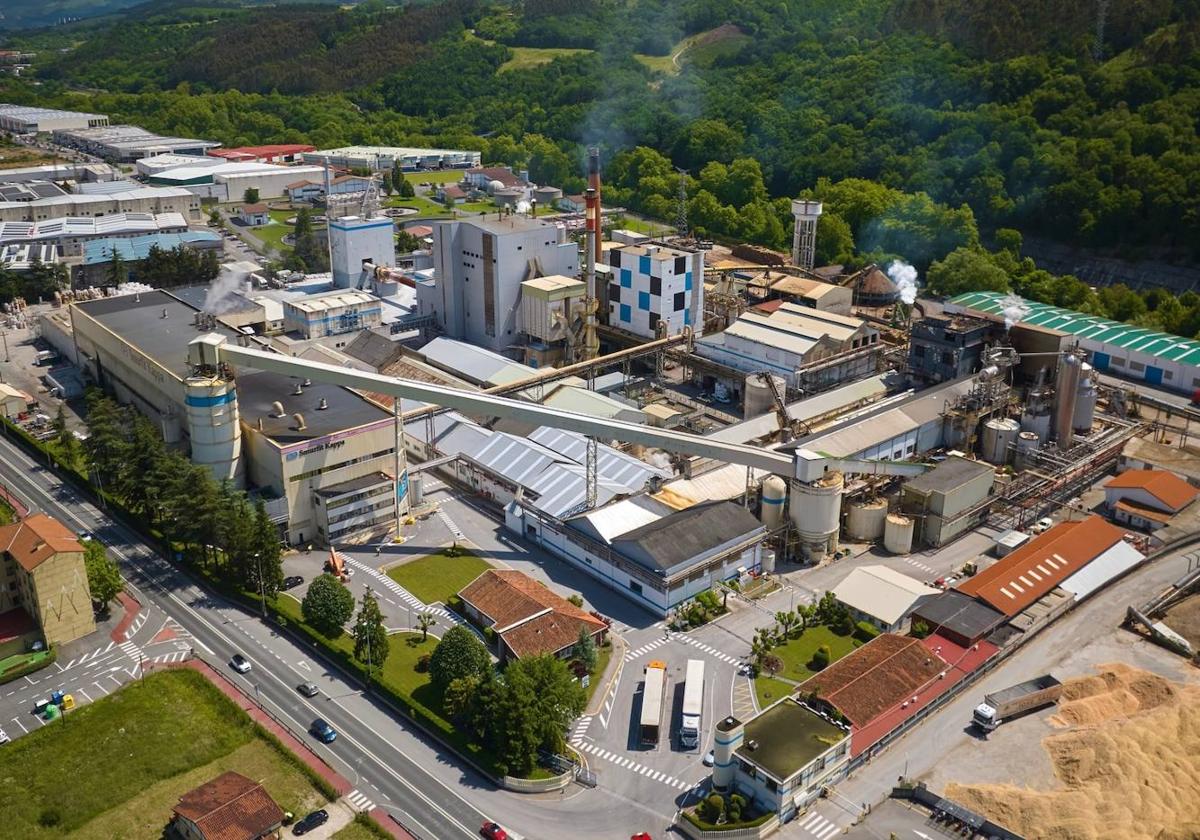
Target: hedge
(706, 826)
(866, 631)
(30, 666)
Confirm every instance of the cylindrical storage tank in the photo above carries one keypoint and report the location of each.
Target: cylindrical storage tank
(999, 434)
(816, 510)
(1027, 445)
(864, 520)
(213, 427)
(1038, 422)
(416, 489)
(1067, 390)
(774, 495)
(1085, 401)
(758, 397)
(768, 561)
(898, 534)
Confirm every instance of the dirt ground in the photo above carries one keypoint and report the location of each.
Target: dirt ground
(1184, 619)
(1127, 764)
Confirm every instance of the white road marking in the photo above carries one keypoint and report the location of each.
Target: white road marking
(17, 721)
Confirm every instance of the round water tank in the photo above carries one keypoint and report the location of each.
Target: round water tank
(1085, 401)
(774, 495)
(1037, 422)
(864, 520)
(1027, 445)
(999, 434)
(759, 400)
(494, 186)
(768, 561)
(816, 510)
(898, 534)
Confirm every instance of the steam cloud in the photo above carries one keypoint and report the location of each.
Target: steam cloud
(523, 206)
(221, 293)
(1014, 310)
(905, 278)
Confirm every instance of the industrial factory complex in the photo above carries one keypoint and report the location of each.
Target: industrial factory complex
(669, 420)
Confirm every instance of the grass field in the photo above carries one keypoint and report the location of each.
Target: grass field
(767, 690)
(360, 830)
(442, 176)
(798, 653)
(6, 513)
(702, 48)
(15, 156)
(125, 760)
(601, 665)
(526, 57)
(435, 577)
(658, 63)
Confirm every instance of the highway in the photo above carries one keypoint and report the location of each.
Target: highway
(386, 761)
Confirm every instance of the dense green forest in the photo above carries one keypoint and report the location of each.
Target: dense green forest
(934, 130)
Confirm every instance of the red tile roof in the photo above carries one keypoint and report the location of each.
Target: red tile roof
(230, 807)
(246, 152)
(1021, 578)
(498, 173)
(1143, 511)
(881, 674)
(528, 616)
(1168, 488)
(35, 539)
(260, 207)
(453, 191)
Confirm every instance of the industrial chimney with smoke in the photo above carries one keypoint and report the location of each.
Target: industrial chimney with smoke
(593, 199)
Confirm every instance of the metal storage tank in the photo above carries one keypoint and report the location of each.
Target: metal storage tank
(1027, 445)
(816, 510)
(999, 434)
(1085, 401)
(774, 495)
(1036, 419)
(214, 428)
(768, 561)
(864, 520)
(898, 534)
(758, 397)
(416, 488)
(1067, 390)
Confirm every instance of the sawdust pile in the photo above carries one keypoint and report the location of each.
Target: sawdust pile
(1129, 768)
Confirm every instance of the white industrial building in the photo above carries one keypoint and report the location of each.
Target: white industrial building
(382, 158)
(332, 313)
(81, 173)
(226, 182)
(883, 597)
(355, 241)
(128, 143)
(150, 166)
(154, 200)
(1148, 499)
(28, 119)
(27, 255)
(655, 284)
(68, 234)
(809, 348)
(479, 266)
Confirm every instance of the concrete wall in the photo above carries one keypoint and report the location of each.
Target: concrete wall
(60, 600)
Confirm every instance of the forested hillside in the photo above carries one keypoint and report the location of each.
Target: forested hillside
(964, 120)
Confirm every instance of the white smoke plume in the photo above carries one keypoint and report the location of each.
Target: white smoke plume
(905, 278)
(1014, 310)
(659, 459)
(221, 293)
(523, 206)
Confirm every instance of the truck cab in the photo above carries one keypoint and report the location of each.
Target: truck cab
(985, 717)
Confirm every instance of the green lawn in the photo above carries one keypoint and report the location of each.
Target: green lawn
(767, 690)
(6, 512)
(361, 829)
(526, 57)
(601, 666)
(20, 660)
(272, 236)
(115, 767)
(435, 577)
(798, 653)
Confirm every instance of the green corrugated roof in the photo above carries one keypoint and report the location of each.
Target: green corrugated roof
(1092, 327)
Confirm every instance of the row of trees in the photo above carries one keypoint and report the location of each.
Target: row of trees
(40, 282)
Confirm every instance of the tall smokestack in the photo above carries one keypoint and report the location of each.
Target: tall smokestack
(593, 197)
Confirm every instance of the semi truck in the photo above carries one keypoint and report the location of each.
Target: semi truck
(653, 690)
(1001, 706)
(693, 705)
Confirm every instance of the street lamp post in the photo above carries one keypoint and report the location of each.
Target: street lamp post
(262, 585)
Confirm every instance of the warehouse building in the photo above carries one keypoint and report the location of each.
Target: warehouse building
(1154, 357)
(332, 313)
(1148, 499)
(305, 447)
(655, 284)
(1144, 454)
(278, 153)
(882, 597)
(81, 173)
(98, 253)
(26, 256)
(69, 234)
(383, 158)
(948, 500)
(28, 119)
(229, 181)
(128, 143)
(154, 200)
(151, 166)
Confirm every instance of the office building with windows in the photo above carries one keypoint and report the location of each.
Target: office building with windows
(655, 284)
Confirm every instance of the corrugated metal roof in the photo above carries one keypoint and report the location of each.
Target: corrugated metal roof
(138, 247)
(562, 489)
(583, 401)
(474, 363)
(612, 465)
(808, 409)
(613, 520)
(1108, 565)
(520, 460)
(881, 592)
(1092, 327)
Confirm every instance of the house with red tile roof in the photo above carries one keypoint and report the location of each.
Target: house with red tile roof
(527, 618)
(230, 807)
(43, 562)
(1148, 499)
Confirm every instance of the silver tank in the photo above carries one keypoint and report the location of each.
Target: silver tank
(999, 436)
(1085, 401)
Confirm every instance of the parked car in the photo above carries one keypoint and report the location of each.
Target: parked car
(308, 689)
(316, 818)
(4, 739)
(239, 663)
(493, 831)
(709, 758)
(1042, 525)
(322, 731)
(641, 835)
(292, 581)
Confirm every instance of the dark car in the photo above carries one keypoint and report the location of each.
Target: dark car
(292, 581)
(308, 689)
(316, 818)
(322, 731)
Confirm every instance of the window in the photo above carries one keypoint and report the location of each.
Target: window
(644, 301)
(680, 265)
(614, 258)
(919, 351)
(1168, 375)
(626, 278)
(687, 282)
(1117, 362)
(947, 357)
(614, 293)
(653, 321)
(687, 317)
(626, 313)
(644, 265)
(656, 285)
(635, 587)
(1137, 367)
(679, 301)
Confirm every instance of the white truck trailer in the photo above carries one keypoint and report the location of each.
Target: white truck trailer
(693, 705)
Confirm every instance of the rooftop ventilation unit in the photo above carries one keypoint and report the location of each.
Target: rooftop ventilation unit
(277, 409)
(298, 418)
(323, 404)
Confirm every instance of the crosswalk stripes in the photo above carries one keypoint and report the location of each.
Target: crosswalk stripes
(819, 826)
(630, 764)
(644, 649)
(412, 601)
(167, 658)
(709, 649)
(358, 801)
(450, 524)
(136, 626)
(918, 564)
(131, 650)
(580, 728)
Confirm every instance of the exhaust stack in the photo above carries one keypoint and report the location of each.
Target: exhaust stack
(592, 202)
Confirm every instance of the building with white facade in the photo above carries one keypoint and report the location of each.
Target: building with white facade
(332, 313)
(128, 143)
(655, 284)
(883, 597)
(382, 158)
(479, 266)
(354, 241)
(1148, 499)
(154, 200)
(28, 119)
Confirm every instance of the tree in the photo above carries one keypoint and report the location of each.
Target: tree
(458, 654)
(312, 257)
(214, 217)
(64, 437)
(585, 649)
(459, 697)
(772, 664)
(267, 569)
(424, 622)
(370, 636)
(405, 189)
(966, 270)
(103, 574)
(821, 658)
(537, 700)
(250, 196)
(116, 273)
(327, 605)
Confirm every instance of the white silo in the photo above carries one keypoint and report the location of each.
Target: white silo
(214, 426)
(898, 534)
(774, 496)
(727, 738)
(1085, 401)
(1066, 392)
(864, 520)
(804, 237)
(1027, 445)
(759, 398)
(816, 510)
(999, 436)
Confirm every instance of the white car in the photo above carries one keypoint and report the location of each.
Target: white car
(1043, 524)
(239, 663)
